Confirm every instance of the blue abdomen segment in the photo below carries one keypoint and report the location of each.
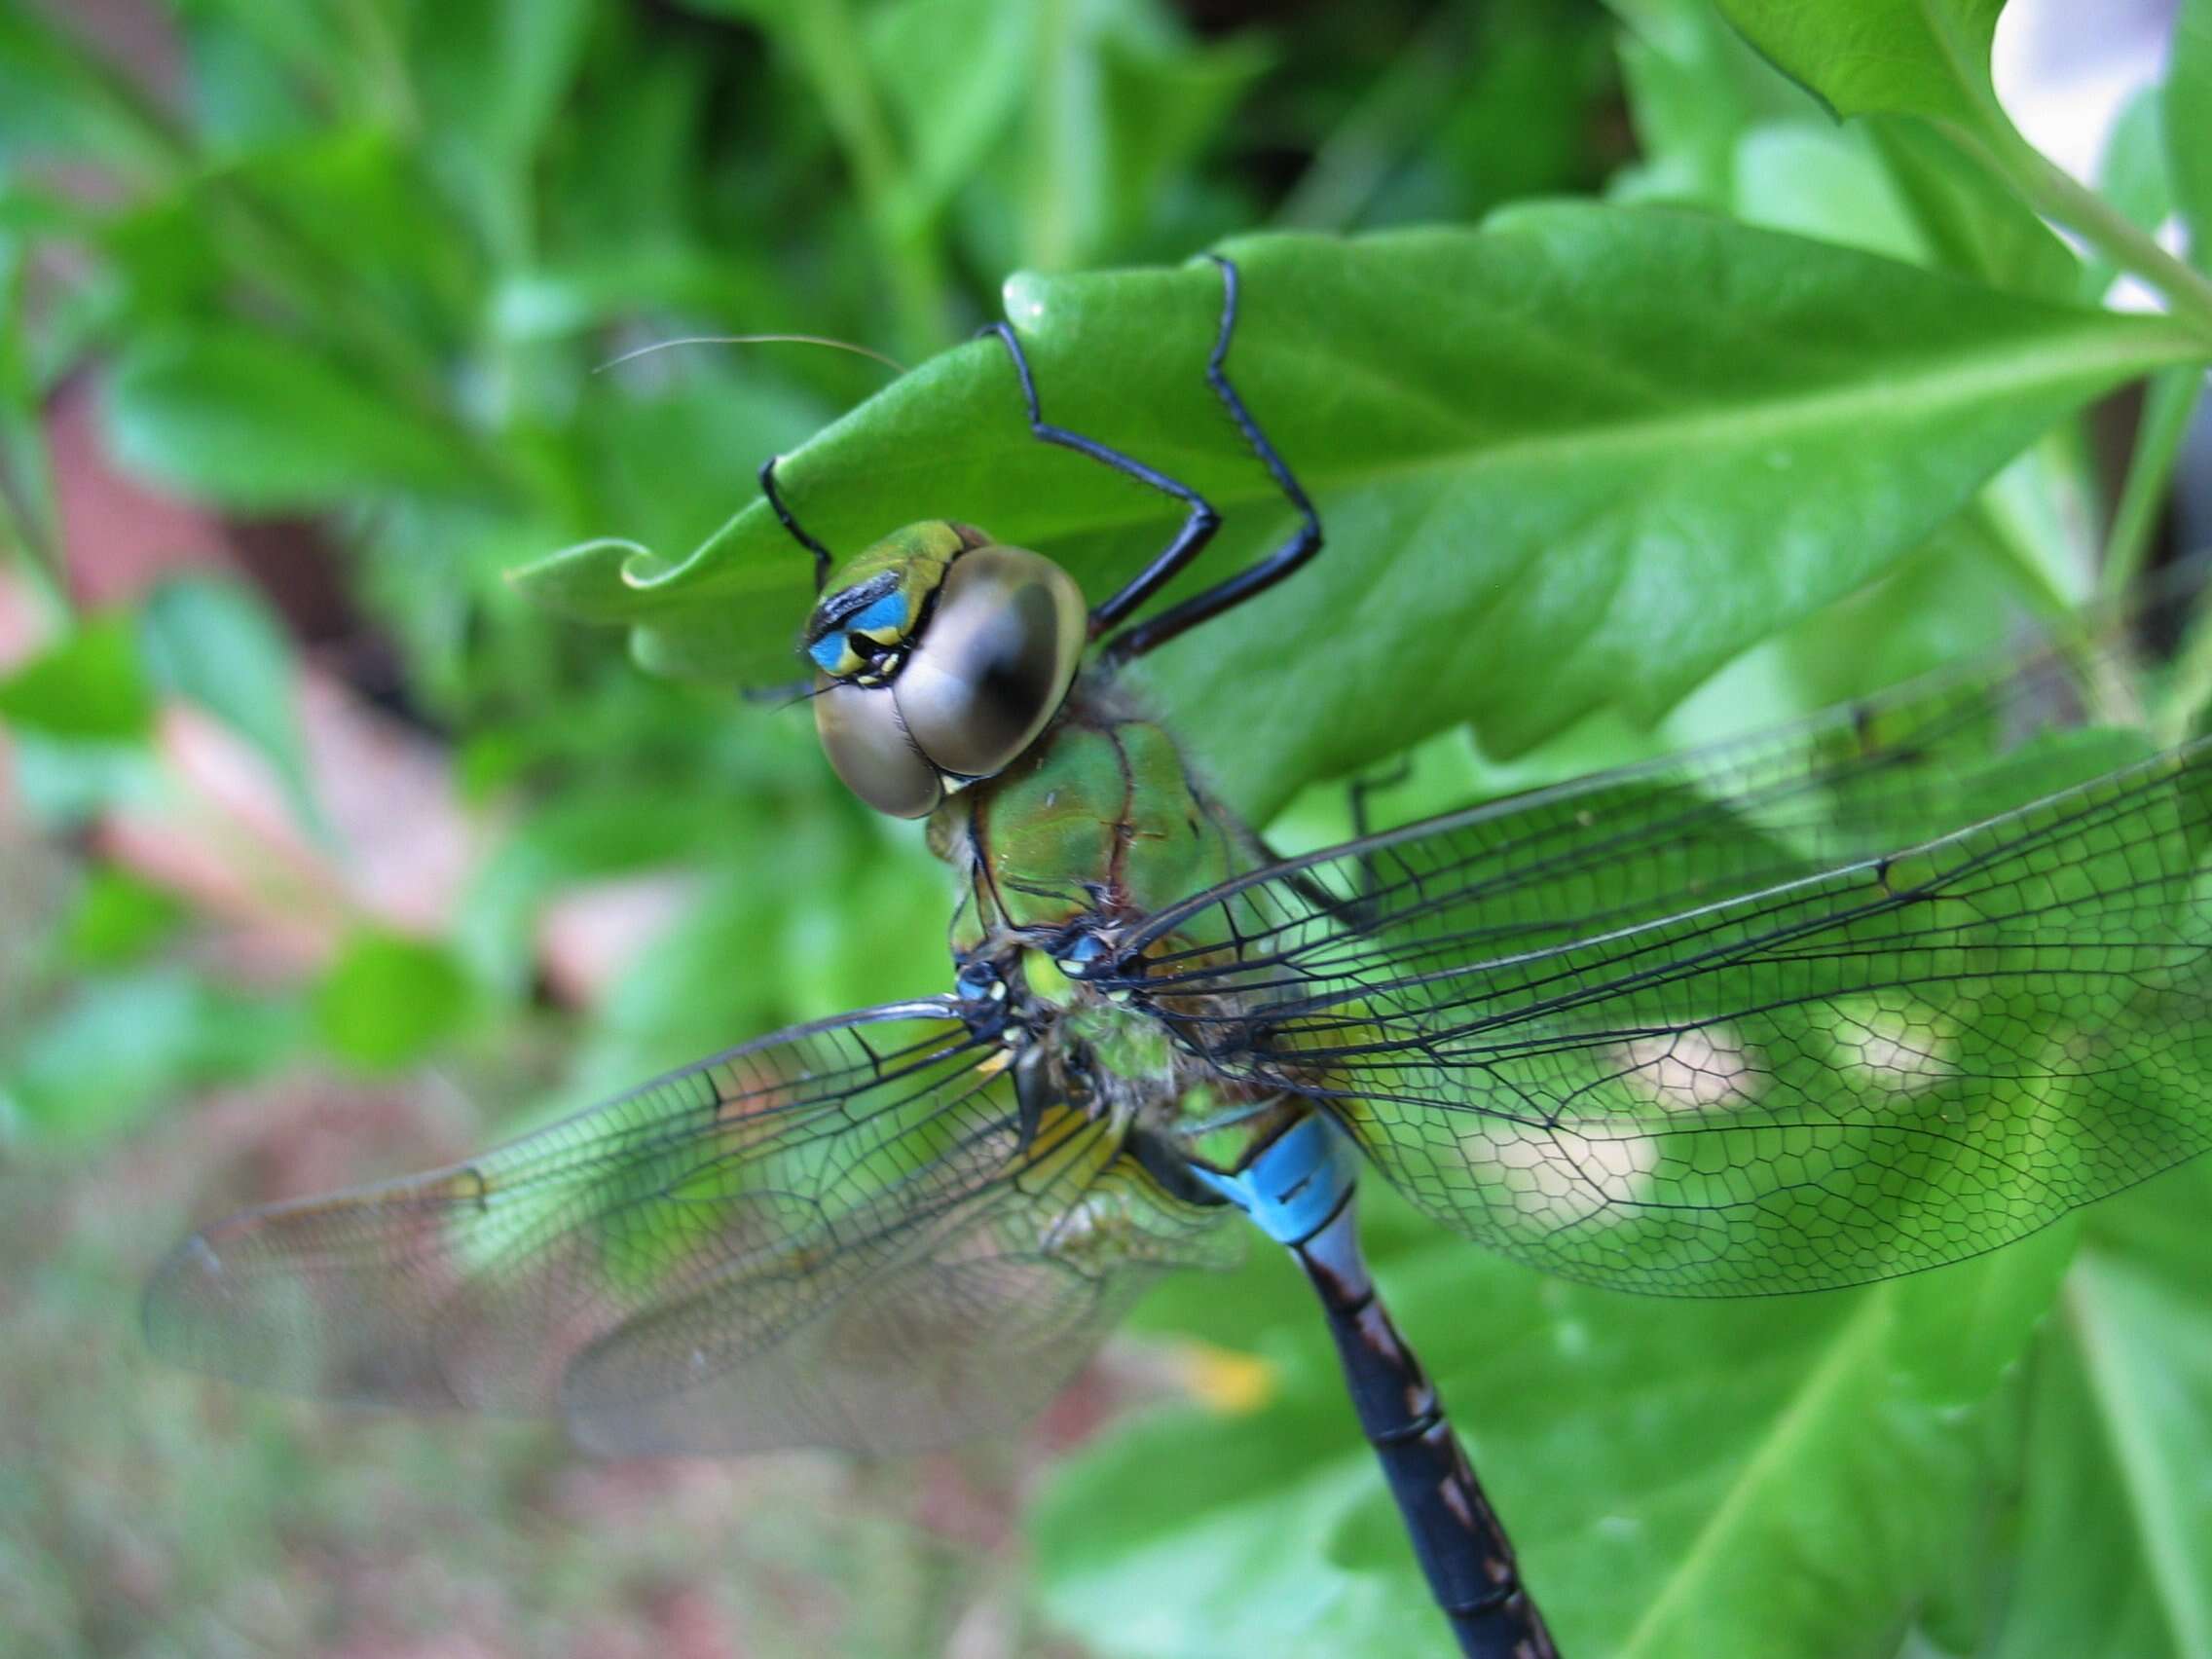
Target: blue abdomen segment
(1298, 1181)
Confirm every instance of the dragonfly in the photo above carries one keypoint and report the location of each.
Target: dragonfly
(1880, 990)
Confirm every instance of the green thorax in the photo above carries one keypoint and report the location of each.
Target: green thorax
(1099, 826)
(1100, 818)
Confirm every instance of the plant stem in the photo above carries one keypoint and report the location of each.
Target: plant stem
(2058, 195)
(1062, 170)
(1356, 158)
(827, 42)
(2188, 690)
(2168, 404)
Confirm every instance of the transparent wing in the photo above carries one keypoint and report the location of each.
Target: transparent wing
(1879, 992)
(828, 1237)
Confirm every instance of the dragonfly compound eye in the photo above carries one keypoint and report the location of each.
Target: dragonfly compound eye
(868, 747)
(981, 679)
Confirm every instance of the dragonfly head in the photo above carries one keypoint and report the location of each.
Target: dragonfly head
(939, 658)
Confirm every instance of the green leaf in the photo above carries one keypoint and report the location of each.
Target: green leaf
(677, 1000)
(497, 72)
(492, 75)
(1786, 1475)
(1825, 181)
(1925, 57)
(2134, 177)
(352, 203)
(58, 97)
(252, 420)
(2133, 174)
(1124, 100)
(663, 464)
(64, 783)
(1968, 218)
(119, 1044)
(580, 837)
(249, 90)
(29, 524)
(1694, 89)
(954, 71)
(1623, 444)
(622, 182)
(2114, 1531)
(388, 1000)
(2187, 104)
(118, 918)
(91, 687)
(211, 641)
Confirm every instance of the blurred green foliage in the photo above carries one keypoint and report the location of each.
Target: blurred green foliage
(1789, 409)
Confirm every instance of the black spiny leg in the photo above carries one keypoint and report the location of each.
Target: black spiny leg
(785, 695)
(1362, 908)
(1362, 787)
(1202, 520)
(822, 555)
(1255, 580)
(1359, 910)
(1198, 524)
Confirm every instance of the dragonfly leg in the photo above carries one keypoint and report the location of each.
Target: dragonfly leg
(1358, 909)
(1199, 524)
(822, 556)
(1255, 580)
(1375, 783)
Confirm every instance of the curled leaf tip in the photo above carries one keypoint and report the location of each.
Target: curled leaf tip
(643, 568)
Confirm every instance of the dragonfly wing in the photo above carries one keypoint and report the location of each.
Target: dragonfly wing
(934, 1334)
(666, 1271)
(1796, 1014)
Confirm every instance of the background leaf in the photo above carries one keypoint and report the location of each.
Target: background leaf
(214, 644)
(1925, 57)
(2112, 1527)
(251, 422)
(91, 686)
(1969, 218)
(388, 1000)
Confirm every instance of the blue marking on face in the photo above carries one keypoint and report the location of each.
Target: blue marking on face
(883, 617)
(887, 613)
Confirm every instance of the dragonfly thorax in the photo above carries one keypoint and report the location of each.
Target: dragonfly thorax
(1091, 1051)
(939, 657)
(1100, 825)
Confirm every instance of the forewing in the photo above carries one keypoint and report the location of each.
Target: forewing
(1882, 992)
(819, 1237)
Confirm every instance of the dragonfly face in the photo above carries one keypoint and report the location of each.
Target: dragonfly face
(939, 658)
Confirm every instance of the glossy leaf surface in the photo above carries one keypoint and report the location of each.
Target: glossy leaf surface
(1928, 57)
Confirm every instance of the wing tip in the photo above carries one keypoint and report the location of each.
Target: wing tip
(184, 1294)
